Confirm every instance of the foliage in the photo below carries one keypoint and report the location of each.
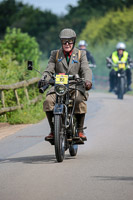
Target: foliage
(7, 10)
(30, 113)
(14, 50)
(115, 25)
(45, 26)
(27, 115)
(88, 9)
(21, 45)
(38, 24)
(104, 33)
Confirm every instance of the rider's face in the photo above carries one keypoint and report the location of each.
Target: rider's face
(67, 45)
(120, 51)
(82, 47)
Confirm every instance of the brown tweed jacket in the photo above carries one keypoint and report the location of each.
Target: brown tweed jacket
(76, 65)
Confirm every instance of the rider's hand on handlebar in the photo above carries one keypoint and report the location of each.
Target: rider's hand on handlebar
(131, 65)
(41, 83)
(109, 65)
(88, 85)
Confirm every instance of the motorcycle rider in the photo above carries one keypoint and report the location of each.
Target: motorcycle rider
(83, 46)
(120, 55)
(66, 60)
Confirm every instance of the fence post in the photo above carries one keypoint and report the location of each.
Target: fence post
(23, 84)
(3, 102)
(27, 95)
(16, 94)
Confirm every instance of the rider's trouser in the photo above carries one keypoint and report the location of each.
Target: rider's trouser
(112, 79)
(80, 121)
(80, 105)
(129, 76)
(50, 116)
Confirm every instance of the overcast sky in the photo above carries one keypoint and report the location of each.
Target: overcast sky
(56, 6)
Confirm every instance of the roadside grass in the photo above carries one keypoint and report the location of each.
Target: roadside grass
(30, 114)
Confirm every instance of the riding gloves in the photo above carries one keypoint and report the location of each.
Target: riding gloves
(88, 85)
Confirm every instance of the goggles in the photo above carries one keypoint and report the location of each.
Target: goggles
(69, 41)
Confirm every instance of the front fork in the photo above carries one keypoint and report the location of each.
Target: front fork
(122, 75)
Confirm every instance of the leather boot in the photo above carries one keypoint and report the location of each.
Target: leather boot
(50, 115)
(80, 124)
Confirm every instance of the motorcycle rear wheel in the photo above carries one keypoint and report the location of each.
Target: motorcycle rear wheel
(73, 148)
(59, 138)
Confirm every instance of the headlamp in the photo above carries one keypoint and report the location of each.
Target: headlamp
(60, 89)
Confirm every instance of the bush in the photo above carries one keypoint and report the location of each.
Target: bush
(21, 45)
(15, 50)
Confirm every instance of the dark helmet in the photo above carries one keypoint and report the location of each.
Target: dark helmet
(67, 33)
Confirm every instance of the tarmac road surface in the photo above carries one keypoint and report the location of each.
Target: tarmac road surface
(102, 170)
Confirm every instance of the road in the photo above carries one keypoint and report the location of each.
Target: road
(102, 170)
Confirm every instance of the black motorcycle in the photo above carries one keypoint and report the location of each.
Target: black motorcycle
(65, 125)
(121, 78)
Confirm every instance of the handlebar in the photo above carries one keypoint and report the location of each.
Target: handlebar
(73, 79)
(92, 65)
(42, 89)
(109, 60)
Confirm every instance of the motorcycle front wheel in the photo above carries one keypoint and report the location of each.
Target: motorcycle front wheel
(121, 88)
(59, 138)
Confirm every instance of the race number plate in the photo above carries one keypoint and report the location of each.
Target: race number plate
(61, 79)
(121, 66)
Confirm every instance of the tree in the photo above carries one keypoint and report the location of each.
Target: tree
(41, 25)
(8, 8)
(15, 50)
(114, 25)
(88, 9)
(21, 45)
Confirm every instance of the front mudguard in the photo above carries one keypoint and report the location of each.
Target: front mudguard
(58, 109)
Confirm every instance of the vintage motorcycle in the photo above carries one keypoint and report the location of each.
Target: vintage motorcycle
(121, 78)
(65, 125)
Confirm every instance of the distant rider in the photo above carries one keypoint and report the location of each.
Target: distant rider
(120, 55)
(67, 61)
(83, 46)
(92, 64)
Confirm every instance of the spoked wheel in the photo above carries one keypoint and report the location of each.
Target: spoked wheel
(59, 138)
(73, 148)
(121, 88)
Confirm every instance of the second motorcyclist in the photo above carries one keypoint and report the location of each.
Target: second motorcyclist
(67, 59)
(92, 64)
(120, 55)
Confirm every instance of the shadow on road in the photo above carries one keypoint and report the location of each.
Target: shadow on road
(114, 178)
(34, 159)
